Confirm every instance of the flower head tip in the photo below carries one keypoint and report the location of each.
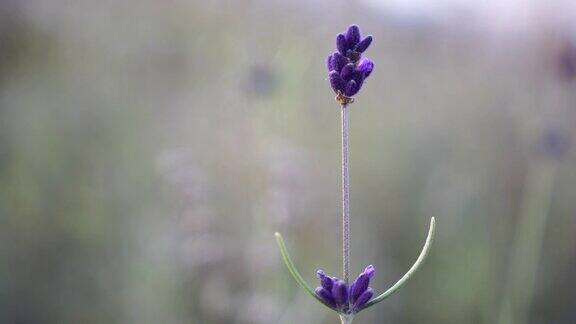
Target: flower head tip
(346, 69)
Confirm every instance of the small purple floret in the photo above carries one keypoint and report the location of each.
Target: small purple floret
(351, 88)
(352, 36)
(340, 292)
(326, 282)
(341, 44)
(365, 66)
(363, 45)
(330, 62)
(343, 298)
(339, 61)
(363, 299)
(347, 70)
(336, 81)
(326, 296)
(361, 284)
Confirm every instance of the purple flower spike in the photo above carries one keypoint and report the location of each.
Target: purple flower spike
(326, 296)
(362, 300)
(347, 71)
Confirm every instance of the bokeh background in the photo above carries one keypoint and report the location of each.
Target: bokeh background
(150, 149)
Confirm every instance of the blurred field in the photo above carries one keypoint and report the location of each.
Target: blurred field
(150, 149)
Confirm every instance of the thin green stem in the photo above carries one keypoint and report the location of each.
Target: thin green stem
(346, 319)
(345, 195)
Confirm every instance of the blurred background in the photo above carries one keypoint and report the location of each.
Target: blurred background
(150, 149)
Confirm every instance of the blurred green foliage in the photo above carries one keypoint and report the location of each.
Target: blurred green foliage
(150, 149)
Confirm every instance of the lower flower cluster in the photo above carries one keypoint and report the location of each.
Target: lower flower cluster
(343, 298)
(347, 79)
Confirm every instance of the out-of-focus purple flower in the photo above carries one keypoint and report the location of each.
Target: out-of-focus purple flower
(261, 80)
(555, 143)
(346, 69)
(343, 298)
(567, 62)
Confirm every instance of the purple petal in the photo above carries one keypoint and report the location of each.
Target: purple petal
(359, 78)
(351, 88)
(340, 293)
(353, 36)
(361, 284)
(341, 44)
(359, 287)
(330, 62)
(350, 290)
(365, 66)
(326, 296)
(347, 71)
(326, 282)
(370, 271)
(363, 45)
(363, 299)
(338, 61)
(336, 82)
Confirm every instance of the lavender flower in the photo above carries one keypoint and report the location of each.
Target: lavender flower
(347, 73)
(346, 69)
(566, 62)
(336, 294)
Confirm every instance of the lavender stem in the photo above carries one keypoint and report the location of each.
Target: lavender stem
(346, 319)
(345, 196)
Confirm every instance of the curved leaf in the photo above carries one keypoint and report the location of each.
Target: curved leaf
(413, 269)
(293, 271)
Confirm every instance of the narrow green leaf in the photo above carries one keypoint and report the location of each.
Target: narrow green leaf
(413, 269)
(293, 271)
